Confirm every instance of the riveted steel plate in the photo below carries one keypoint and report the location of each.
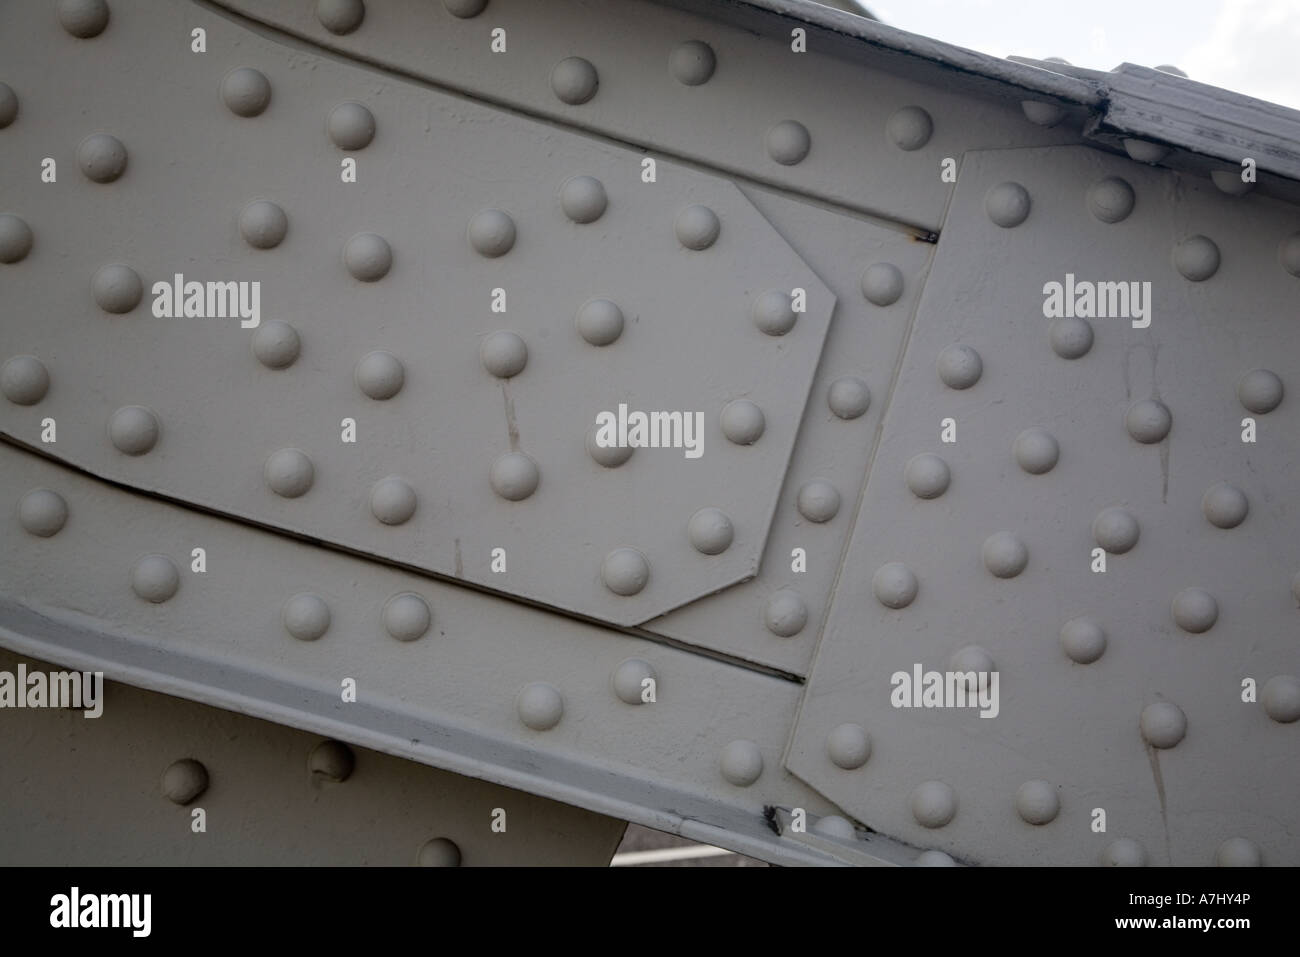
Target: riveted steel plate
(1121, 691)
(485, 461)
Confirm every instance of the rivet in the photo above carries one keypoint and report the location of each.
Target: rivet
(692, 63)
(933, 859)
(773, 312)
(848, 746)
(909, 128)
(1195, 610)
(583, 199)
(1170, 69)
(848, 397)
(1196, 258)
(133, 429)
(1037, 802)
(1281, 698)
(1148, 421)
(263, 224)
(101, 157)
(351, 126)
(1071, 336)
(441, 851)
(1007, 204)
(710, 531)
(960, 367)
(1260, 391)
(1288, 252)
(625, 571)
(927, 476)
(540, 706)
(786, 613)
(742, 422)
(491, 232)
(503, 354)
(340, 16)
(83, 18)
(1005, 556)
(1036, 451)
(741, 763)
(818, 501)
(882, 283)
(1111, 200)
(574, 80)
(15, 238)
(1083, 639)
(972, 665)
(406, 616)
(245, 91)
(276, 344)
(834, 826)
(788, 142)
(1043, 114)
(1115, 529)
(8, 105)
(894, 585)
(368, 257)
(305, 616)
(465, 9)
(116, 288)
(379, 374)
(24, 380)
(331, 761)
(514, 476)
(392, 500)
(1144, 151)
(933, 803)
(599, 321)
(608, 456)
(1124, 852)
(1225, 505)
(42, 512)
(1229, 181)
(1238, 852)
(288, 472)
(629, 680)
(184, 781)
(1163, 724)
(155, 578)
(697, 227)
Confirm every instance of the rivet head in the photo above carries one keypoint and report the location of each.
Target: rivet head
(882, 283)
(465, 9)
(1225, 505)
(392, 501)
(909, 128)
(1196, 258)
(818, 501)
(599, 322)
(697, 227)
(8, 105)
(972, 665)
(933, 804)
(379, 374)
(406, 616)
(331, 761)
(514, 476)
(625, 571)
(1115, 529)
(491, 232)
(305, 616)
(1144, 151)
(692, 63)
(83, 18)
(116, 288)
(1195, 610)
(630, 678)
(773, 312)
(927, 475)
(710, 531)
(340, 16)
(101, 157)
(245, 91)
(289, 473)
(1148, 421)
(1044, 114)
(1083, 639)
(503, 354)
(788, 142)
(1238, 852)
(368, 257)
(276, 344)
(133, 429)
(1281, 698)
(24, 380)
(741, 763)
(15, 238)
(1124, 852)
(1163, 724)
(960, 367)
(263, 224)
(1071, 337)
(1260, 391)
(894, 585)
(1007, 204)
(155, 578)
(184, 781)
(574, 80)
(1037, 802)
(848, 746)
(742, 422)
(607, 456)
(540, 706)
(42, 512)
(933, 859)
(1111, 200)
(350, 126)
(1005, 555)
(583, 199)
(832, 825)
(1288, 252)
(848, 397)
(1036, 451)
(441, 851)
(786, 613)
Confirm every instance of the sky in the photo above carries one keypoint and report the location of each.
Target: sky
(1249, 46)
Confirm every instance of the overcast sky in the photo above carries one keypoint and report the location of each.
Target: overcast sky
(1250, 46)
